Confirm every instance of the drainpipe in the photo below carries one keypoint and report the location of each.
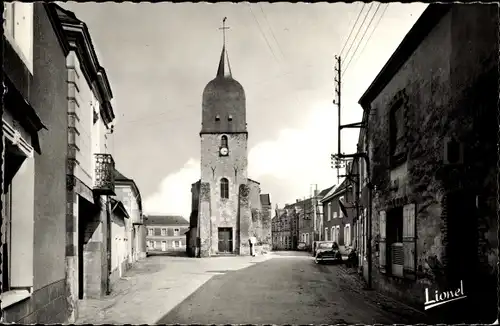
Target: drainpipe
(370, 213)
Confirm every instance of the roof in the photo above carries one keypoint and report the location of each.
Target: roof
(324, 192)
(265, 199)
(117, 205)
(120, 178)
(224, 69)
(253, 181)
(165, 220)
(335, 190)
(427, 21)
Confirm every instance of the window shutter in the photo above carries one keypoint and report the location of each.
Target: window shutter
(409, 241)
(382, 242)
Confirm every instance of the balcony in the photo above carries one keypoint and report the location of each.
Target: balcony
(104, 178)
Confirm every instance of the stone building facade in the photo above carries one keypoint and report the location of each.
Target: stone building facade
(432, 127)
(228, 208)
(166, 233)
(284, 230)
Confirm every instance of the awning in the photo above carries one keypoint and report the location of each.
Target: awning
(23, 112)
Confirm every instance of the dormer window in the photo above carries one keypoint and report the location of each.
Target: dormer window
(217, 117)
(230, 118)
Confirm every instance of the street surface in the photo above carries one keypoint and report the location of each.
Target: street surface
(279, 288)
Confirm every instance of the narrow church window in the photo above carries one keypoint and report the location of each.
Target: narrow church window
(223, 141)
(224, 188)
(217, 117)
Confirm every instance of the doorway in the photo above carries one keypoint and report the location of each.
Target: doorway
(225, 240)
(462, 237)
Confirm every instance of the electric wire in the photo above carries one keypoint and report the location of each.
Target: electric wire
(372, 32)
(271, 29)
(361, 40)
(263, 34)
(359, 29)
(352, 29)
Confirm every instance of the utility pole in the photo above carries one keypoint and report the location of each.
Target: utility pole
(339, 159)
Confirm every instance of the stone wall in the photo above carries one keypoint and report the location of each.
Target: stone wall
(440, 100)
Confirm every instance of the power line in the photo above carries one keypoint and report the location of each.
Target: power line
(352, 29)
(262, 33)
(359, 30)
(371, 34)
(271, 29)
(373, 30)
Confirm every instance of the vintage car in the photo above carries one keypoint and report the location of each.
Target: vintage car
(315, 246)
(327, 251)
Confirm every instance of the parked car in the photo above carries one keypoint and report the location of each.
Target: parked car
(315, 246)
(301, 246)
(327, 251)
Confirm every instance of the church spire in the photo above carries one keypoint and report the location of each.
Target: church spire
(224, 67)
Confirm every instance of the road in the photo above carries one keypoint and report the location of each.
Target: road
(288, 289)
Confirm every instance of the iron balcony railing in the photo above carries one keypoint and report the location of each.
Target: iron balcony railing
(104, 178)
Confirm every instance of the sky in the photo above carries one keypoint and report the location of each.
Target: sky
(159, 57)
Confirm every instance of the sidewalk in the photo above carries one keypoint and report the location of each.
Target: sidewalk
(154, 286)
(357, 284)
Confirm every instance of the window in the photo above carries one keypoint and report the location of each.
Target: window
(230, 118)
(397, 241)
(163, 232)
(329, 211)
(341, 199)
(224, 188)
(18, 199)
(150, 232)
(332, 236)
(176, 232)
(396, 129)
(18, 27)
(334, 214)
(326, 234)
(223, 141)
(164, 246)
(217, 117)
(175, 244)
(307, 238)
(347, 234)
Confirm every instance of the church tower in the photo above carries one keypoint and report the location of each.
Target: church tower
(224, 139)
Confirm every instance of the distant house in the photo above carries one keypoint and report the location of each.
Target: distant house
(338, 223)
(128, 193)
(166, 233)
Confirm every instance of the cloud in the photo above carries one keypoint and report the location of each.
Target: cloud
(286, 167)
(174, 194)
(298, 157)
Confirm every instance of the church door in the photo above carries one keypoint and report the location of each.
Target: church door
(225, 240)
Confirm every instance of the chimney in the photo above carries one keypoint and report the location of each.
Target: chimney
(316, 192)
(297, 200)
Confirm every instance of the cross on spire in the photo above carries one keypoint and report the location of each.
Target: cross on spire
(223, 28)
(223, 70)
